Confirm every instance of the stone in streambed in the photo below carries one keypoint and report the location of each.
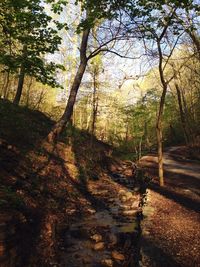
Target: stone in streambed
(129, 212)
(118, 256)
(123, 198)
(129, 195)
(122, 192)
(99, 246)
(96, 237)
(107, 263)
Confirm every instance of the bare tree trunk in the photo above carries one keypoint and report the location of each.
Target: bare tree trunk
(140, 149)
(159, 139)
(146, 138)
(127, 132)
(28, 91)
(95, 107)
(5, 87)
(172, 132)
(81, 118)
(196, 41)
(182, 114)
(180, 104)
(60, 125)
(88, 113)
(21, 78)
(159, 118)
(20, 86)
(39, 101)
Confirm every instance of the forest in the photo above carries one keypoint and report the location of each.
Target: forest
(99, 133)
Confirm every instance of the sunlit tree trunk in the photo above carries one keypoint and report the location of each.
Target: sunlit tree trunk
(6, 84)
(127, 131)
(140, 148)
(21, 78)
(88, 114)
(94, 105)
(28, 91)
(196, 41)
(180, 104)
(20, 86)
(159, 118)
(59, 126)
(81, 118)
(146, 138)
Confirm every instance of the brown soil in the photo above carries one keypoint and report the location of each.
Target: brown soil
(171, 229)
(58, 190)
(51, 194)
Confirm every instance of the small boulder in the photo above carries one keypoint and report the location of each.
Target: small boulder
(107, 263)
(129, 212)
(123, 198)
(129, 195)
(97, 237)
(118, 256)
(99, 246)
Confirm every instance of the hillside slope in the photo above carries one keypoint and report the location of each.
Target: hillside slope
(44, 187)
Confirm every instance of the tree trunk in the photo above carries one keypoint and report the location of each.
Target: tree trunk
(21, 77)
(196, 41)
(159, 118)
(88, 114)
(146, 138)
(180, 104)
(160, 151)
(140, 149)
(5, 87)
(20, 86)
(127, 132)
(182, 114)
(94, 106)
(28, 91)
(60, 125)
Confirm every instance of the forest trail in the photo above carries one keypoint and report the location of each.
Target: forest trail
(171, 229)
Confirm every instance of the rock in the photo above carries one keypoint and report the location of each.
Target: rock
(107, 262)
(125, 207)
(129, 212)
(135, 205)
(118, 256)
(123, 198)
(70, 211)
(137, 189)
(113, 239)
(99, 246)
(122, 192)
(129, 195)
(91, 211)
(96, 237)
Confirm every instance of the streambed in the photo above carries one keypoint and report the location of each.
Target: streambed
(108, 236)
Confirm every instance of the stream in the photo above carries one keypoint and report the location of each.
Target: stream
(109, 236)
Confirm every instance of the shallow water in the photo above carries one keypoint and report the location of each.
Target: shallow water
(116, 234)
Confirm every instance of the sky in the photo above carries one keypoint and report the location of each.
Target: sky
(116, 70)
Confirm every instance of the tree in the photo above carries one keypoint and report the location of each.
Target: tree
(29, 35)
(128, 10)
(156, 31)
(94, 11)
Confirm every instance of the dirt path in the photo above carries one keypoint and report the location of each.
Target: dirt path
(171, 225)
